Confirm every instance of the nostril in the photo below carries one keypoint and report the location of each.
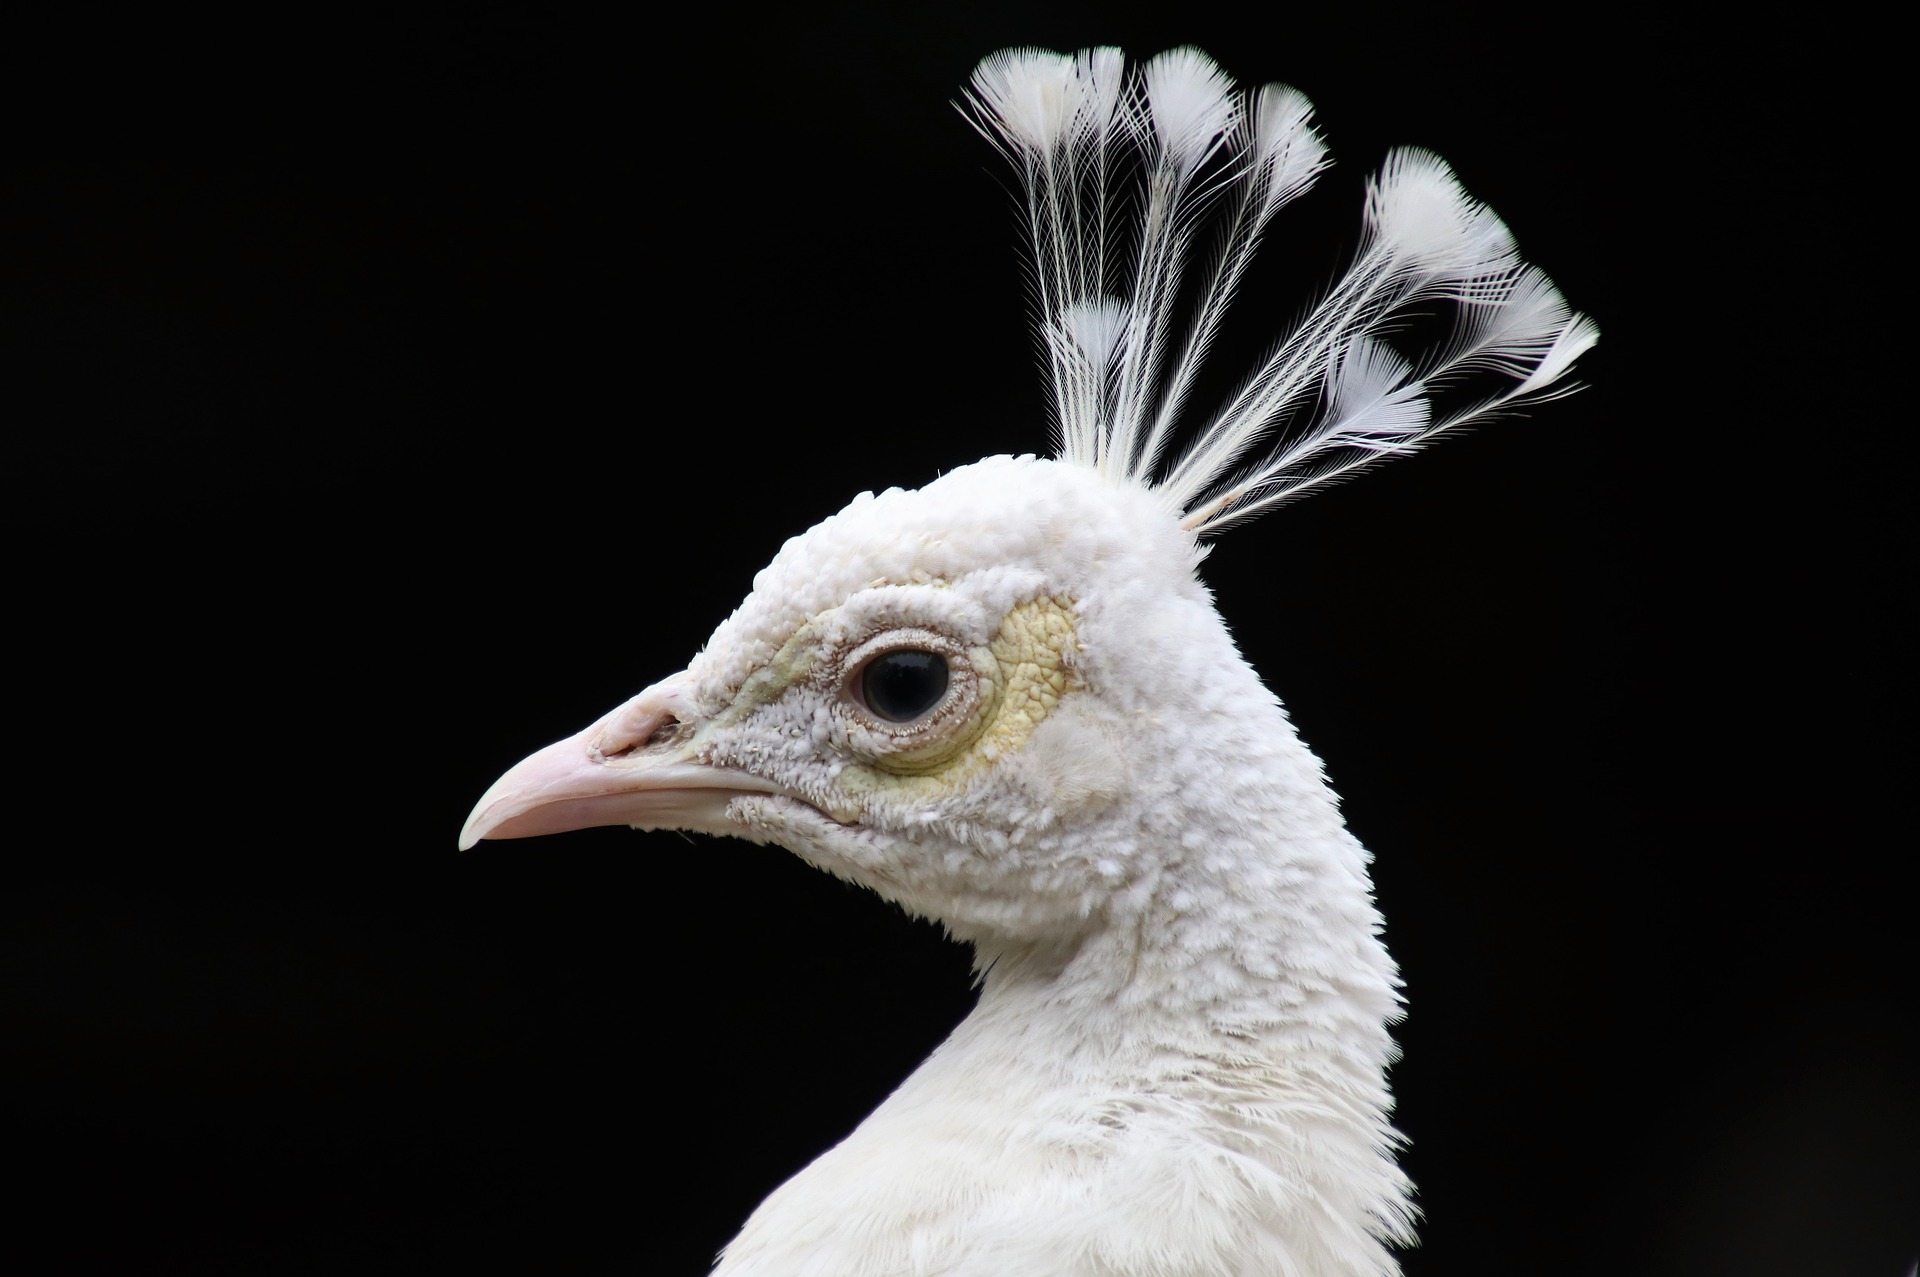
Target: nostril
(657, 732)
(665, 732)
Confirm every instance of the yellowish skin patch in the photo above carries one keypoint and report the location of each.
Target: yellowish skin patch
(1022, 672)
(1031, 651)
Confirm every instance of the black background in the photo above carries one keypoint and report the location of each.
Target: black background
(390, 398)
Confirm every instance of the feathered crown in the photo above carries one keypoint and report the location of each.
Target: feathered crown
(1177, 147)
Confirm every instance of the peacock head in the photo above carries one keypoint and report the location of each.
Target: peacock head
(1004, 700)
(961, 697)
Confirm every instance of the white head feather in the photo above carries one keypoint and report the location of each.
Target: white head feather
(1177, 1066)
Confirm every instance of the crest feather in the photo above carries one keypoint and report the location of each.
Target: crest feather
(1122, 170)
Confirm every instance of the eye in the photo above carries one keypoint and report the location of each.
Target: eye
(912, 699)
(903, 684)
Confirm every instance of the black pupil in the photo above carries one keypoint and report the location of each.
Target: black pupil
(901, 686)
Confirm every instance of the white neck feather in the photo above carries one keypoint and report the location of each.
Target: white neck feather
(1192, 1086)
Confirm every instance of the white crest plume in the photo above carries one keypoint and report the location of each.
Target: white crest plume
(1175, 146)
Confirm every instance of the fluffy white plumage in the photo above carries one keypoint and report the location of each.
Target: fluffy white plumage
(1006, 702)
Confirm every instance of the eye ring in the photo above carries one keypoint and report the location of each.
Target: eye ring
(868, 696)
(943, 725)
(904, 684)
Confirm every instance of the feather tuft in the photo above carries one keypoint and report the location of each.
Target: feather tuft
(1186, 106)
(1201, 156)
(1429, 227)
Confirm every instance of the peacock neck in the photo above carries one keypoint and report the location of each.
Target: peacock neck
(1299, 984)
(1219, 1024)
(1248, 931)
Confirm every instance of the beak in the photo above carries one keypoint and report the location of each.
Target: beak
(634, 767)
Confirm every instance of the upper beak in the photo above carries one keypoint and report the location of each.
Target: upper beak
(633, 767)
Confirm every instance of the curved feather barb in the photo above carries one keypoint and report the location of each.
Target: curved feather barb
(1177, 150)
